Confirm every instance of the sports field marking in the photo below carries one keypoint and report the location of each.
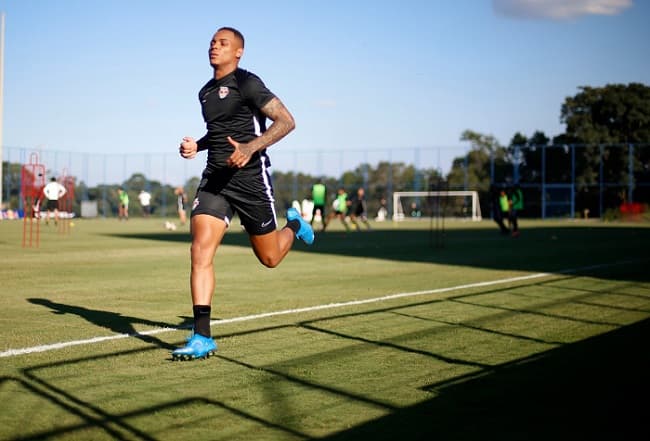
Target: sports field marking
(61, 345)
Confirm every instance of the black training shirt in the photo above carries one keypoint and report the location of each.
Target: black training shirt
(231, 107)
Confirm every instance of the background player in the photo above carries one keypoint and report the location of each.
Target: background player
(340, 209)
(181, 200)
(53, 191)
(123, 204)
(360, 211)
(319, 198)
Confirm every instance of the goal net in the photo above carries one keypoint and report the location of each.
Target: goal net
(451, 204)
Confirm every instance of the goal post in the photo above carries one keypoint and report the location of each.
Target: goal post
(462, 204)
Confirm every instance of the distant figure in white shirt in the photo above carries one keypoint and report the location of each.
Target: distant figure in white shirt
(145, 202)
(53, 192)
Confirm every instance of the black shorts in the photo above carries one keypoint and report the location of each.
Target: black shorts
(250, 196)
(318, 207)
(52, 205)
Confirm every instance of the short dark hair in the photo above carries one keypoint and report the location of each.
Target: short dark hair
(238, 35)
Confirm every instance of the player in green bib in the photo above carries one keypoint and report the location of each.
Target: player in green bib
(318, 196)
(342, 202)
(504, 205)
(340, 206)
(517, 204)
(123, 209)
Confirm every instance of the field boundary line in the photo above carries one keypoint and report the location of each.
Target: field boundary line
(89, 341)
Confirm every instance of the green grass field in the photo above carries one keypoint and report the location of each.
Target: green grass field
(398, 333)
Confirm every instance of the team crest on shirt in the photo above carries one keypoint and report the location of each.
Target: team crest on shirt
(223, 92)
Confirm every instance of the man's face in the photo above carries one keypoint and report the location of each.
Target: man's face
(225, 48)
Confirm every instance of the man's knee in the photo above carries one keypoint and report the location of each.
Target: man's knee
(202, 255)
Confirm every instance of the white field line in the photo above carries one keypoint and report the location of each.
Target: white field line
(61, 345)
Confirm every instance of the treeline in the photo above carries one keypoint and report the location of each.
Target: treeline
(604, 151)
(380, 181)
(601, 125)
(601, 122)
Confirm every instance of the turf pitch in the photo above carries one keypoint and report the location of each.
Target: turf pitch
(397, 333)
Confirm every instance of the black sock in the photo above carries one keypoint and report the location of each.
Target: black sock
(294, 225)
(202, 320)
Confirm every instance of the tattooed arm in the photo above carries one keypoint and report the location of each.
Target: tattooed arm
(283, 123)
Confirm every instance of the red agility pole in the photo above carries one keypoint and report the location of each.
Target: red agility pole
(66, 203)
(32, 181)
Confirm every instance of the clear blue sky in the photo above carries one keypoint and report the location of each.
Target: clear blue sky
(122, 75)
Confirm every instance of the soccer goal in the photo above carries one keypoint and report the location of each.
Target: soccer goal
(451, 204)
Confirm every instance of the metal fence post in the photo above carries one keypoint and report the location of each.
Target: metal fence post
(630, 174)
(573, 181)
(543, 196)
(601, 180)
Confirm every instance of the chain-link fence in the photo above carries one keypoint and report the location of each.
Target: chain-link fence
(558, 181)
(576, 180)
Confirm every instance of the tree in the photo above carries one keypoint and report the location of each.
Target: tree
(474, 169)
(614, 114)
(484, 143)
(11, 173)
(531, 168)
(518, 140)
(606, 119)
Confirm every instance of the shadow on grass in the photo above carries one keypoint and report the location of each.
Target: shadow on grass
(539, 249)
(586, 390)
(116, 426)
(112, 321)
(596, 389)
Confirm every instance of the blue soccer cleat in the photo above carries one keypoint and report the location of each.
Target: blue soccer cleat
(306, 232)
(197, 346)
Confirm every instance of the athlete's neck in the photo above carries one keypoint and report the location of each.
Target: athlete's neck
(222, 71)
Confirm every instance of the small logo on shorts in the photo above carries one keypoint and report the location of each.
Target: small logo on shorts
(195, 203)
(267, 223)
(223, 92)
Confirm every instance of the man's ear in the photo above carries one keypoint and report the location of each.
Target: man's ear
(239, 53)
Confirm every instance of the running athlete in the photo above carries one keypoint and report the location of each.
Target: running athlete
(235, 104)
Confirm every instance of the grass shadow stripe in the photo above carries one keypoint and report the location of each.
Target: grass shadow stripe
(482, 329)
(539, 314)
(99, 420)
(94, 340)
(311, 385)
(384, 344)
